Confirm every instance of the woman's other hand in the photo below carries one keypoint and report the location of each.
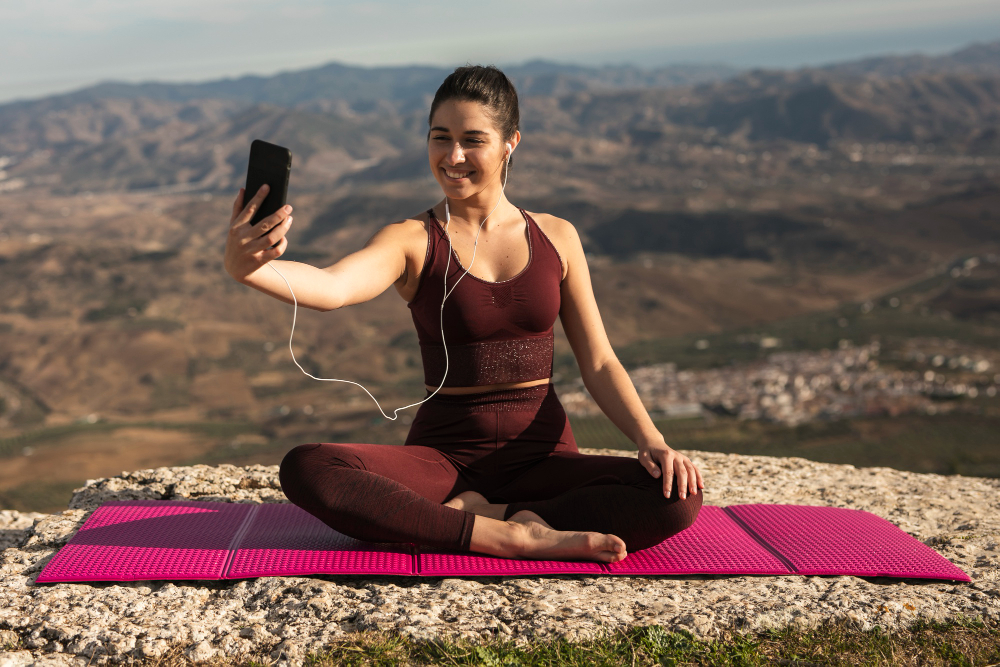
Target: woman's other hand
(248, 247)
(660, 459)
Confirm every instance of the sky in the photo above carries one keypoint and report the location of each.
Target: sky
(51, 46)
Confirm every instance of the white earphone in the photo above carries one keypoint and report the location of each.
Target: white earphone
(447, 293)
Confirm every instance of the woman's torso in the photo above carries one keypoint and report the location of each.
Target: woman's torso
(498, 334)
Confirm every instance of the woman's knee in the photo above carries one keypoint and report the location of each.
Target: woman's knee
(296, 460)
(676, 514)
(669, 517)
(309, 464)
(293, 468)
(689, 508)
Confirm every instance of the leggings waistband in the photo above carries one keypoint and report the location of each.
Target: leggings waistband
(500, 400)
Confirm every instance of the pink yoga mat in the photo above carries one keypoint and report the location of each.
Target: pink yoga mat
(715, 544)
(284, 540)
(833, 540)
(150, 539)
(162, 539)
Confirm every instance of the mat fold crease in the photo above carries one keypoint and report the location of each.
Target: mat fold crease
(138, 540)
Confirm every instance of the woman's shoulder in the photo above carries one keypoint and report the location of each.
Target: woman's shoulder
(562, 235)
(405, 231)
(411, 237)
(561, 232)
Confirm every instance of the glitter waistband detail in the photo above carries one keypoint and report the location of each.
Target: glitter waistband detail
(495, 362)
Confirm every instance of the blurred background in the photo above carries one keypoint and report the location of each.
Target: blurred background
(791, 212)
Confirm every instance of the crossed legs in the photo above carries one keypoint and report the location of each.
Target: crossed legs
(572, 506)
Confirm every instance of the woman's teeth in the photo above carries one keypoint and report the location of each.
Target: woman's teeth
(457, 174)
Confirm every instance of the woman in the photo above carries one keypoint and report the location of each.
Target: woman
(490, 464)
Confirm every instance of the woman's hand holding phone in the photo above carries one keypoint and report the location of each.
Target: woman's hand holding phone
(249, 247)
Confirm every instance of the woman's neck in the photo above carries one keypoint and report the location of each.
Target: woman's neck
(466, 213)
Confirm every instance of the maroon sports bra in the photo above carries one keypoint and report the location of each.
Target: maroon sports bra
(496, 332)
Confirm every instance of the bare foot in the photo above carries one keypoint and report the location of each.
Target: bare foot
(467, 500)
(527, 516)
(470, 501)
(541, 541)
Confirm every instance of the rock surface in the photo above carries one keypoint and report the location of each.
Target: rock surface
(14, 526)
(288, 617)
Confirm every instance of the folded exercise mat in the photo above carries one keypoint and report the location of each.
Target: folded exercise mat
(151, 539)
(842, 540)
(165, 539)
(285, 540)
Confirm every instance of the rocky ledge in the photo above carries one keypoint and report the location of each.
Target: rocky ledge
(289, 617)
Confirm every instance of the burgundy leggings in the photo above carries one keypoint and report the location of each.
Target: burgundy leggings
(513, 446)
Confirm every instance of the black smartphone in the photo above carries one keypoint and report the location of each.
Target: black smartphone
(269, 164)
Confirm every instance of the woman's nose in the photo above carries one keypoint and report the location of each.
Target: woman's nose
(456, 155)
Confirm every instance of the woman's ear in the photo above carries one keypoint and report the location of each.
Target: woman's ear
(514, 140)
(511, 145)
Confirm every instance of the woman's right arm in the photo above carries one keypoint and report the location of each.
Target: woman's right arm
(358, 277)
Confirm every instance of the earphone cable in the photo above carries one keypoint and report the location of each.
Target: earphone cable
(447, 293)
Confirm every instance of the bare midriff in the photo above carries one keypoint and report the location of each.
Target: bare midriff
(490, 387)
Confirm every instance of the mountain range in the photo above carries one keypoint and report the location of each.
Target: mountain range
(339, 120)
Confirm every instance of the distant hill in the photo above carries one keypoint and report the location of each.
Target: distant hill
(366, 88)
(973, 59)
(354, 125)
(407, 87)
(818, 107)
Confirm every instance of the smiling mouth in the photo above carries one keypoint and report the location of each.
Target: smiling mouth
(457, 174)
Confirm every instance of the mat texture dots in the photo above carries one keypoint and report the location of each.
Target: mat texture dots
(833, 540)
(168, 539)
(284, 540)
(150, 539)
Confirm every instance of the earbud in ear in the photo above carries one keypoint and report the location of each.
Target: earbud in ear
(510, 150)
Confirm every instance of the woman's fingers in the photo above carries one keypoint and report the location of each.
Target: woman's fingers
(272, 221)
(247, 214)
(682, 477)
(670, 464)
(667, 463)
(276, 251)
(274, 235)
(646, 459)
(692, 476)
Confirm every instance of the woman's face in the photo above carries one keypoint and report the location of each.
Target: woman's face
(464, 148)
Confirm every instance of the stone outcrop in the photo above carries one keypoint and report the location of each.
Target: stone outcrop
(288, 617)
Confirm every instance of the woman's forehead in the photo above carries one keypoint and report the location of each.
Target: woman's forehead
(462, 116)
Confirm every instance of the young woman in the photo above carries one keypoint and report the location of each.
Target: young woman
(490, 464)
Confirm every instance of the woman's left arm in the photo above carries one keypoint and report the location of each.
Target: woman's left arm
(604, 376)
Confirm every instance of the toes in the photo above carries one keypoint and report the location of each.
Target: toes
(615, 547)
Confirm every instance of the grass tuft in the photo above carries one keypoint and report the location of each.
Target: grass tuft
(965, 642)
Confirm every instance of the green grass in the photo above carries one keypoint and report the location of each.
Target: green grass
(963, 643)
(39, 496)
(600, 433)
(13, 445)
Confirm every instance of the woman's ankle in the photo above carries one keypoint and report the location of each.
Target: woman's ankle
(497, 537)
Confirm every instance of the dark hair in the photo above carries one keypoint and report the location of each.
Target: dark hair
(487, 85)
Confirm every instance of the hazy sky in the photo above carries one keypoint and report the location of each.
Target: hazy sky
(49, 46)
